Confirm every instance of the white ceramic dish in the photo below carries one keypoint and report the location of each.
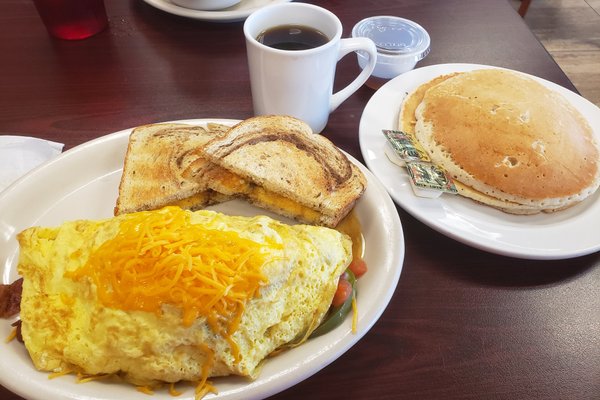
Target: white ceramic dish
(206, 5)
(569, 233)
(83, 183)
(237, 12)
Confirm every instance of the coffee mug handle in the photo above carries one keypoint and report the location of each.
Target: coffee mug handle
(346, 46)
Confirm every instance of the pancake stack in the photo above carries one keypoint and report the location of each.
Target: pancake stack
(506, 140)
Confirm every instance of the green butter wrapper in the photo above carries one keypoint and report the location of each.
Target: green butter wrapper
(405, 146)
(429, 180)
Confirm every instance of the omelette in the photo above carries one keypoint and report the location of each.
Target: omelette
(173, 295)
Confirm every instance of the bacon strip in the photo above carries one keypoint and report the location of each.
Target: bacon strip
(10, 298)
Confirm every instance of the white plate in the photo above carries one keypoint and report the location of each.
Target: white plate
(569, 233)
(238, 12)
(83, 183)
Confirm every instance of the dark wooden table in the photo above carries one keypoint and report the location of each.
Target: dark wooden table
(463, 324)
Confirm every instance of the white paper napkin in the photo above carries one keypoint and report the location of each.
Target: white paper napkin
(20, 154)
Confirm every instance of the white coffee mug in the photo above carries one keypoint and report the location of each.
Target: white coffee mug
(300, 82)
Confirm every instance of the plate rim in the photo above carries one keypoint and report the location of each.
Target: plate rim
(213, 15)
(335, 346)
(366, 136)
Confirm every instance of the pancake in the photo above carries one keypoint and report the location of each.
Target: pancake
(507, 140)
(406, 123)
(408, 119)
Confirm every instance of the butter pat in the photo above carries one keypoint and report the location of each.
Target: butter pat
(392, 156)
(429, 180)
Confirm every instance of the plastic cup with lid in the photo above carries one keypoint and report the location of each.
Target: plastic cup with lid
(401, 44)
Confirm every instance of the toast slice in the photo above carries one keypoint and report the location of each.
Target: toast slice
(164, 166)
(278, 163)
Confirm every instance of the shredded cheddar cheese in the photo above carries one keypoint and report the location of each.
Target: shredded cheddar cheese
(11, 336)
(172, 391)
(354, 314)
(84, 378)
(205, 386)
(161, 258)
(145, 389)
(59, 373)
(203, 390)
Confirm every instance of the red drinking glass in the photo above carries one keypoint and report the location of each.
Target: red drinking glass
(72, 19)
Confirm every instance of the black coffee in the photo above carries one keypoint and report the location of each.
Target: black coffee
(292, 37)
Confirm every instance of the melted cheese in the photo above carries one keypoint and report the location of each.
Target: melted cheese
(292, 207)
(233, 184)
(192, 201)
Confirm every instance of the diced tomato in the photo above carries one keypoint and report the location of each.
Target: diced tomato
(343, 292)
(358, 267)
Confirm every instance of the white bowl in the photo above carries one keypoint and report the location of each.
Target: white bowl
(206, 5)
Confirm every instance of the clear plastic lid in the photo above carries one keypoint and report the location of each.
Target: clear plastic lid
(398, 40)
